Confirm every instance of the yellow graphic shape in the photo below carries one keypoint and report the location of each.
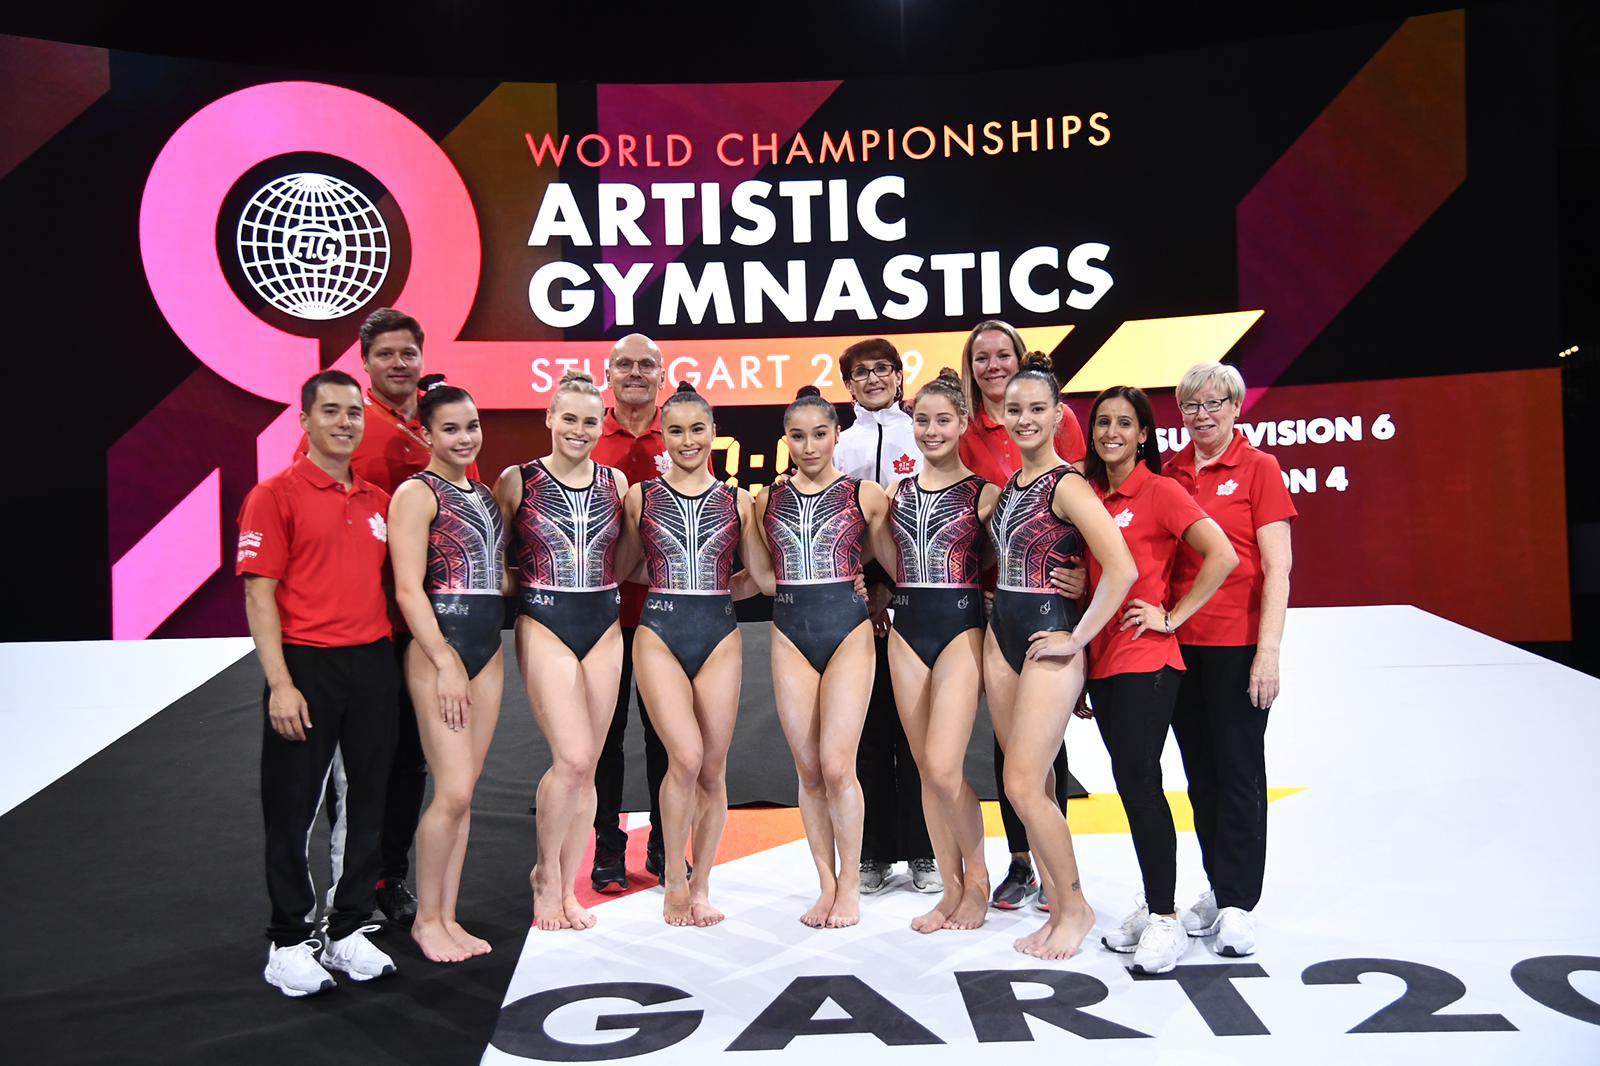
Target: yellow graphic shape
(1102, 812)
(1153, 353)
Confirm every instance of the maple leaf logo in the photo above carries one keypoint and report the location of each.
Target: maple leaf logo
(1123, 518)
(1228, 487)
(663, 463)
(904, 465)
(380, 529)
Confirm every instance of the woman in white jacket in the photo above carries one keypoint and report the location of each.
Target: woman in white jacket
(880, 445)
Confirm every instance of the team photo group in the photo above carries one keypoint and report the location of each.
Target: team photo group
(964, 539)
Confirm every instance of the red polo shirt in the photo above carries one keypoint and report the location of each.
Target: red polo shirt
(1153, 514)
(640, 459)
(391, 448)
(327, 549)
(989, 451)
(1243, 490)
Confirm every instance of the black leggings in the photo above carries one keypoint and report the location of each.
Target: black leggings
(1222, 738)
(1133, 712)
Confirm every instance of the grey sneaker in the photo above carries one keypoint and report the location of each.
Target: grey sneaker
(1201, 919)
(1014, 891)
(925, 876)
(874, 876)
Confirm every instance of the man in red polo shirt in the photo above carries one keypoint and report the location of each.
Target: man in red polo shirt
(392, 448)
(313, 546)
(630, 440)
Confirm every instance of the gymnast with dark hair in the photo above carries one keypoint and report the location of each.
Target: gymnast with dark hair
(447, 544)
(1032, 659)
(688, 650)
(815, 524)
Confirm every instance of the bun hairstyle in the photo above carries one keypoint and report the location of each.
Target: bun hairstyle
(1036, 366)
(575, 382)
(437, 395)
(809, 396)
(946, 386)
(686, 393)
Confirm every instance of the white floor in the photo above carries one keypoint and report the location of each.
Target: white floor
(1446, 821)
(61, 702)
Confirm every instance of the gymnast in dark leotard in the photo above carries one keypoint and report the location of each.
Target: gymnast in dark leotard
(565, 511)
(937, 538)
(1032, 666)
(447, 547)
(687, 649)
(823, 662)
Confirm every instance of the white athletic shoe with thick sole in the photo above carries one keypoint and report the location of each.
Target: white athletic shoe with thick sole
(1201, 919)
(294, 970)
(1126, 936)
(1236, 933)
(356, 958)
(1160, 946)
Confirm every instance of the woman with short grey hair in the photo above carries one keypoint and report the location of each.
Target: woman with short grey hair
(1230, 648)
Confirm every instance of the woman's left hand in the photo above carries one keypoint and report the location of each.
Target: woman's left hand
(1142, 616)
(1053, 644)
(1264, 678)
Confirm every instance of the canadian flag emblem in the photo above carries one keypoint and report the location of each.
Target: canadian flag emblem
(663, 463)
(904, 465)
(380, 528)
(1123, 518)
(1228, 487)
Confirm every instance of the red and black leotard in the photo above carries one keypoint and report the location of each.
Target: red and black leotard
(566, 545)
(940, 541)
(815, 540)
(1030, 540)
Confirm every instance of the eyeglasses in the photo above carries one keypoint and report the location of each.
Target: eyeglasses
(880, 370)
(628, 366)
(1193, 407)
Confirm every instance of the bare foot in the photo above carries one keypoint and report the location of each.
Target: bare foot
(931, 922)
(846, 909)
(547, 912)
(973, 908)
(1030, 943)
(580, 916)
(704, 913)
(1064, 933)
(472, 945)
(817, 916)
(437, 943)
(677, 910)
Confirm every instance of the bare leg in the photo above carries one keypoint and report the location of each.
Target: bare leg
(670, 697)
(842, 700)
(912, 696)
(1048, 690)
(602, 669)
(455, 759)
(556, 687)
(716, 704)
(795, 686)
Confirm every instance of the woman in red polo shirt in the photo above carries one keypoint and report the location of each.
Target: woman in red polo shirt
(1231, 650)
(1134, 665)
(447, 544)
(990, 358)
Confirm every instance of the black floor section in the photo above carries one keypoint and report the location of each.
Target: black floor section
(132, 903)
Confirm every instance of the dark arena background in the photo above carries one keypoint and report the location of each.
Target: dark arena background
(1382, 214)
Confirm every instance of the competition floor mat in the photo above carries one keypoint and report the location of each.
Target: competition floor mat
(1430, 882)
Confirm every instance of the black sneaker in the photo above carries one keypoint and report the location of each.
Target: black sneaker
(610, 873)
(1019, 884)
(655, 861)
(397, 903)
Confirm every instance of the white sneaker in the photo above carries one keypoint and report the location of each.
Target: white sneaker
(1160, 946)
(355, 956)
(1201, 919)
(1126, 937)
(294, 970)
(1236, 933)
(925, 876)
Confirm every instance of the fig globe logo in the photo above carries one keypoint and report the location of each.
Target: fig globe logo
(313, 246)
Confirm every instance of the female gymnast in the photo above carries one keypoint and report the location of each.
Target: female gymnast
(815, 524)
(936, 535)
(447, 545)
(566, 512)
(1135, 665)
(1031, 663)
(687, 649)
